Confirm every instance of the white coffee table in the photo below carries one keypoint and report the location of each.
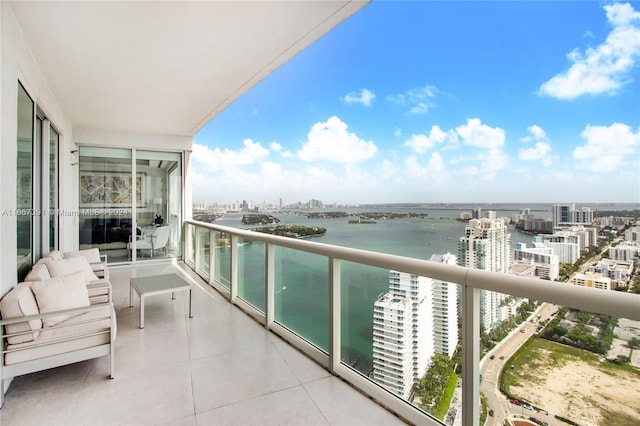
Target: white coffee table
(157, 284)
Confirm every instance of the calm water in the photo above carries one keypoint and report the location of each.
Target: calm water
(301, 279)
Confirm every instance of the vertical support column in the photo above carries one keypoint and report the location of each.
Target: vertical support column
(197, 258)
(270, 293)
(212, 256)
(233, 286)
(335, 338)
(470, 355)
(45, 172)
(134, 208)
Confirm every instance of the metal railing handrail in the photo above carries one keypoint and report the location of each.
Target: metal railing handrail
(614, 303)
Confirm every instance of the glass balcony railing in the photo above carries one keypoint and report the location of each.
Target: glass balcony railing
(332, 303)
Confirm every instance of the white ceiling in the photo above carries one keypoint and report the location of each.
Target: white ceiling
(166, 67)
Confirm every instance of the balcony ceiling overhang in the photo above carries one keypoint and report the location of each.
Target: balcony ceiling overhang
(165, 67)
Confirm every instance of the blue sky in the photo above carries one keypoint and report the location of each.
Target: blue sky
(441, 102)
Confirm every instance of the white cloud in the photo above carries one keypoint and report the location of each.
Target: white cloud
(605, 68)
(537, 133)
(331, 141)
(606, 148)
(275, 146)
(474, 133)
(388, 170)
(490, 141)
(269, 168)
(436, 165)
(419, 108)
(217, 159)
(422, 143)
(364, 97)
(484, 153)
(541, 151)
(420, 99)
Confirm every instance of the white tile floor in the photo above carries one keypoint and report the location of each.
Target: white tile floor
(218, 368)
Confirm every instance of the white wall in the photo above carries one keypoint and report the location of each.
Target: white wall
(18, 64)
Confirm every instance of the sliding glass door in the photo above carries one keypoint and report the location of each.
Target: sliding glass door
(37, 186)
(106, 209)
(160, 216)
(131, 218)
(24, 187)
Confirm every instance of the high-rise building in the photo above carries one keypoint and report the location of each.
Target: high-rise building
(403, 333)
(566, 215)
(632, 234)
(626, 251)
(445, 310)
(486, 245)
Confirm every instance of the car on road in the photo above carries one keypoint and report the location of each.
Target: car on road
(501, 356)
(491, 413)
(492, 357)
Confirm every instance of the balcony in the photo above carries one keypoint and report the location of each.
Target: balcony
(240, 362)
(220, 367)
(255, 272)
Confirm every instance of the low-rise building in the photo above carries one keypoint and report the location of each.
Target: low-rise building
(539, 255)
(593, 280)
(618, 271)
(626, 251)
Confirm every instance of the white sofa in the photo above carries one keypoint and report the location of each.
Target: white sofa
(61, 314)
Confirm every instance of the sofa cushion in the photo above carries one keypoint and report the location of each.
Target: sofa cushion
(20, 302)
(58, 268)
(92, 255)
(85, 330)
(64, 292)
(39, 272)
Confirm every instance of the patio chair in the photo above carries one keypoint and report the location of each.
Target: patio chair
(153, 242)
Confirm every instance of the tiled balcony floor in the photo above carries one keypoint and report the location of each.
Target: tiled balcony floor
(219, 368)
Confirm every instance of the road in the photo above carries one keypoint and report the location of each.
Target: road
(493, 363)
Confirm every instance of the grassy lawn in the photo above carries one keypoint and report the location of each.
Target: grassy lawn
(443, 406)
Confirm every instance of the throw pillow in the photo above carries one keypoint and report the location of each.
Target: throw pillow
(92, 255)
(55, 255)
(64, 292)
(58, 268)
(39, 272)
(20, 302)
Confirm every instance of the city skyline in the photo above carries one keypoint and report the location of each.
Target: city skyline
(453, 102)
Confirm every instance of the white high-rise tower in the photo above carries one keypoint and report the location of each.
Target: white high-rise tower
(402, 333)
(486, 245)
(445, 310)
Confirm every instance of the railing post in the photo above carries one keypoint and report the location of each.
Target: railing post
(233, 285)
(334, 314)
(196, 255)
(470, 355)
(270, 294)
(212, 256)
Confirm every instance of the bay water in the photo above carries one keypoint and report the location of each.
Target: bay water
(301, 278)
